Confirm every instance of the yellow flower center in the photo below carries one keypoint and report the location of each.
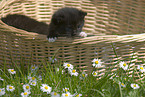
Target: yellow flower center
(124, 64)
(33, 78)
(122, 84)
(12, 70)
(10, 87)
(134, 85)
(73, 71)
(27, 87)
(95, 73)
(25, 93)
(46, 87)
(66, 94)
(65, 90)
(55, 93)
(83, 75)
(96, 62)
(33, 67)
(78, 95)
(68, 65)
(141, 68)
(33, 83)
(0, 90)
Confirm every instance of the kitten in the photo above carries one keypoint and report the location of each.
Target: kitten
(65, 22)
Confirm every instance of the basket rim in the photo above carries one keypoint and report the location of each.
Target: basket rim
(102, 36)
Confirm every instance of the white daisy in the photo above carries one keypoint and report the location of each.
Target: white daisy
(1, 79)
(34, 67)
(53, 60)
(65, 89)
(10, 88)
(135, 86)
(67, 65)
(78, 95)
(67, 94)
(25, 93)
(94, 73)
(122, 84)
(11, 71)
(54, 94)
(96, 63)
(31, 78)
(112, 76)
(83, 75)
(26, 87)
(123, 65)
(46, 88)
(141, 68)
(73, 72)
(33, 83)
(40, 77)
(2, 91)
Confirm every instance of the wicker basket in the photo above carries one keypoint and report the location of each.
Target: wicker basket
(108, 25)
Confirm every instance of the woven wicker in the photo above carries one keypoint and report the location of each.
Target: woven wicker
(117, 23)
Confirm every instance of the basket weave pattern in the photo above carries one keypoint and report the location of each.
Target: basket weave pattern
(108, 21)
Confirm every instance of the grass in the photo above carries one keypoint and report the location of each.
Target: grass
(116, 84)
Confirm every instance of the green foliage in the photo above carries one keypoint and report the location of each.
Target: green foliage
(110, 84)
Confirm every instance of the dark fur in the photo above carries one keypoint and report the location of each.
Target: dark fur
(65, 22)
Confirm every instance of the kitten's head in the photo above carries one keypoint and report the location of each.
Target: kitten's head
(68, 21)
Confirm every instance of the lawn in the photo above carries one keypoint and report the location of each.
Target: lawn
(62, 79)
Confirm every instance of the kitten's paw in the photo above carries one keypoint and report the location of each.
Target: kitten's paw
(51, 39)
(83, 34)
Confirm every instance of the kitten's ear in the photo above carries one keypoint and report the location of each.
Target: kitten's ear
(82, 13)
(58, 19)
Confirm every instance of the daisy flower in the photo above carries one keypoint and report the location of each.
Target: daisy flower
(112, 76)
(1, 79)
(123, 65)
(52, 59)
(94, 73)
(2, 91)
(67, 94)
(83, 75)
(67, 65)
(135, 86)
(54, 94)
(46, 88)
(73, 72)
(34, 67)
(65, 89)
(78, 95)
(25, 94)
(40, 77)
(33, 83)
(11, 71)
(26, 87)
(32, 78)
(141, 68)
(10, 88)
(96, 63)
(122, 84)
